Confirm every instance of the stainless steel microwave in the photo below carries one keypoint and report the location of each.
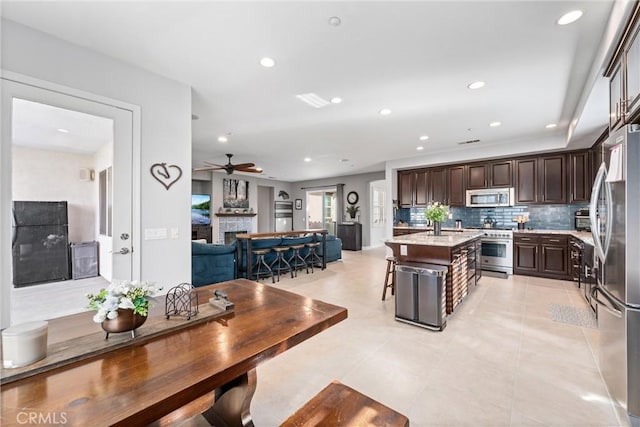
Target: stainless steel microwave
(490, 197)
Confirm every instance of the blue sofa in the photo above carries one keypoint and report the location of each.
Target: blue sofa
(213, 263)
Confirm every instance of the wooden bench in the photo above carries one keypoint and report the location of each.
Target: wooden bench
(340, 405)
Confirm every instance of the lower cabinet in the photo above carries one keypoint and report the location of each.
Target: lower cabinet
(351, 236)
(544, 255)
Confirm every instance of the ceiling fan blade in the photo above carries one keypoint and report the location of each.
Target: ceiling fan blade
(252, 170)
(213, 164)
(207, 169)
(243, 165)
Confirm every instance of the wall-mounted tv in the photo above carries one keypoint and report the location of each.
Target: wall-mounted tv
(200, 209)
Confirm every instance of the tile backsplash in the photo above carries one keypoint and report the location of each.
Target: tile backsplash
(541, 217)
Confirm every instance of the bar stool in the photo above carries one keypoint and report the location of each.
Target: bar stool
(280, 264)
(296, 261)
(391, 273)
(313, 259)
(261, 268)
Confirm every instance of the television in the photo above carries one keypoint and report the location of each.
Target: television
(200, 209)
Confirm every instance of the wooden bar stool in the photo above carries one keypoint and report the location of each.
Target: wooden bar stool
(280, 264)
(391, 273)
(296, 261)
(261, 268)
(313, 259)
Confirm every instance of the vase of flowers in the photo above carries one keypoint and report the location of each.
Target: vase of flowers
(437, 213)
(123, 306)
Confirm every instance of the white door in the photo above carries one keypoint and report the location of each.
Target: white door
(117, 248)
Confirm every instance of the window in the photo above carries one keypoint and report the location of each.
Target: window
(105, 202)
(378, 218)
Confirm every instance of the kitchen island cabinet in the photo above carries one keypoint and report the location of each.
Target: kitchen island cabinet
(451, 249)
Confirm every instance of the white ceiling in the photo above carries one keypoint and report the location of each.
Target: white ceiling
(415, 58)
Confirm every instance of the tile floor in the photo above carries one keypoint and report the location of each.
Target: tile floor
(501, 361)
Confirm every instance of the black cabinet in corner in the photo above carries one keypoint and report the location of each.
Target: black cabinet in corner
(351, 236)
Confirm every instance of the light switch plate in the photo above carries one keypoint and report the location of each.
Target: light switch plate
(155, 233)
(175, 233)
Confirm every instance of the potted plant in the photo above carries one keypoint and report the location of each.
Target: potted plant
(437, 213)
(352, 210)
(122, 306)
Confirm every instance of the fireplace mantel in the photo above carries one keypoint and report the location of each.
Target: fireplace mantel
(235, 214)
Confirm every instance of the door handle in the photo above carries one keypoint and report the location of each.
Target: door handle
(122, 251)
(613, 311)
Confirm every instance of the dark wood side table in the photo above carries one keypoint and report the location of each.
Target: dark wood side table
(351, 235)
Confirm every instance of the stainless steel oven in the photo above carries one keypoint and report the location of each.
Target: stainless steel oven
(497, 251)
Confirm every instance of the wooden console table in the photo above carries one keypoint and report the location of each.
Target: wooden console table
(251, 236)
(177, 375)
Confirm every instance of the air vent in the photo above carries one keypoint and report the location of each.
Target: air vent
(471, 141)
(313, 100)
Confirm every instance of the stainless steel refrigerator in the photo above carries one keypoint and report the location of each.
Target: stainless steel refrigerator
(283, 216)
(615, 225)
(40, 245)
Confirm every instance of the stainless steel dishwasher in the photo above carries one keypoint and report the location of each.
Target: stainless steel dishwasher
(420, 295)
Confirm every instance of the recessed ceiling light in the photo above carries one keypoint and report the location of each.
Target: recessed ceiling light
(307, 159)
(419, 148)
(63, 130)
(384, 112)
(551, 125)
(223, 139)
(336, 100)
(267, 62)
(570, 17)
(335, 21)
(424, 138)
(494, 124)
(476, 85)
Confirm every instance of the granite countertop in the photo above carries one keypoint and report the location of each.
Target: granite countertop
(447, 238)
(585, 236)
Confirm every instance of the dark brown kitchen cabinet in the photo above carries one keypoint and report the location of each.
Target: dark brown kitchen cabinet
(554, 256)
(406, 190)
(541, 179)
(623, 72)
(615, 97)
(580, 177)
(490, 175)
(552, 175)
(525, 255)
(437, 186)
(456, 189)
(526, 181)
(421, 187)
(544, 255)
(421, 194)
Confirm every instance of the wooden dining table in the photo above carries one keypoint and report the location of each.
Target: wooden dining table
(209, 368)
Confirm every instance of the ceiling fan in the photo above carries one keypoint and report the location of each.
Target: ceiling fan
(229, 167)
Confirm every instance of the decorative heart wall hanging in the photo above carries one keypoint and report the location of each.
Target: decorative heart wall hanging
(163, 174)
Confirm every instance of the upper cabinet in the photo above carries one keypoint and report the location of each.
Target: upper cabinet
(541, 179)
(457, 189)
(624, 76)
(580, 173)
(421, 187)
(490, 175)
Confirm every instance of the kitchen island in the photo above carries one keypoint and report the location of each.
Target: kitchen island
(459, 251)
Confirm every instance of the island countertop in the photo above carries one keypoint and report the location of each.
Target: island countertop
(447, 238)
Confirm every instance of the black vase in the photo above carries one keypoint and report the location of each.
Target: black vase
(437, 228)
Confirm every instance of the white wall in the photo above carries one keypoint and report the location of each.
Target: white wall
(164, 132)
(44, 175)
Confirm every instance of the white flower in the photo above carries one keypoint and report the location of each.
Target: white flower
(126, 303)
(112, 314)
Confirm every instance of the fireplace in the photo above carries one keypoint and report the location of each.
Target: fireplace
(230, 236)
(229, 226)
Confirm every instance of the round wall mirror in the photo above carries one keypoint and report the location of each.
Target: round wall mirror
(352, 197)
